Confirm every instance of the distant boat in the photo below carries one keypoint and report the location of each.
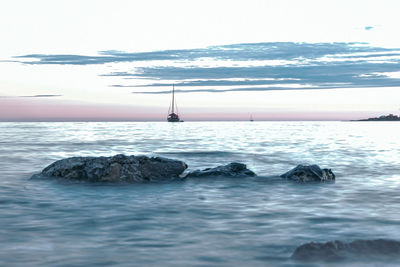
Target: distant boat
(172, 115)
(251, 118)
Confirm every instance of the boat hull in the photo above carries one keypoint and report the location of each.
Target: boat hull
(173, 118)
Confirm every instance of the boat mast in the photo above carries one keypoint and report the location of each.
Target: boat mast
(173, 96)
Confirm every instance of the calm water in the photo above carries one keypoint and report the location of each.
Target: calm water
(199, 222)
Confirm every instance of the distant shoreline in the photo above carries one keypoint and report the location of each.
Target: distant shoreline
(389, 117)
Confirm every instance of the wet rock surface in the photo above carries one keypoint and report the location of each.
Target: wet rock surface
(359, 250)
(309, 174)
(119, 168)
(233, 169)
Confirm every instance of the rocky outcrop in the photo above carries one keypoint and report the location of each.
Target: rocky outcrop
(378, 249)
(389, 117)
(119, 168)
(233, 169)
(309, 173)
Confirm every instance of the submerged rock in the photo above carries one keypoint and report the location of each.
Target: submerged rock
(119, 168)
(233, 169)
(310, 173)
(378, 249)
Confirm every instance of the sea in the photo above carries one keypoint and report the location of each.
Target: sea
(214, 221)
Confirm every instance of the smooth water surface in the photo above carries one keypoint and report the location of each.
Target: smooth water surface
(198, 222)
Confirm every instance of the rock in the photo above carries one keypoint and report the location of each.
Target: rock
(233, 169)
(310, 173)
(119, 168)
(359, 250)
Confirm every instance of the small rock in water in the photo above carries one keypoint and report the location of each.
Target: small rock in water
(119, 168)
(233, 169)
(310, 173)
(359, 250)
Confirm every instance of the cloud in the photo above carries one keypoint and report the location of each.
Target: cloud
(234, 52)
(215, 82)
(244, 67)
(39, 95)
(322, 76)
(247, 89)
(257, 89)
(30, 96)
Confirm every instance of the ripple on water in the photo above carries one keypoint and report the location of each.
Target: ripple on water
(257, 221)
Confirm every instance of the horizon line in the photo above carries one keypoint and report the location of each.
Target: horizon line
(206, 120)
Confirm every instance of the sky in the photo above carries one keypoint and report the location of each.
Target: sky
(275, 60)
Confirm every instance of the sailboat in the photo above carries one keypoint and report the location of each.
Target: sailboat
(251, 118)
(173, 117)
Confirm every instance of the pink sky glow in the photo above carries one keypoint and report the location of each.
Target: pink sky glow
(33, 109)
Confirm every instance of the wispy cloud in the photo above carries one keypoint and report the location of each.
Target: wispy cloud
(247, 89)
(245, 67)
(39, 95)
(234, 52)
(30, 96)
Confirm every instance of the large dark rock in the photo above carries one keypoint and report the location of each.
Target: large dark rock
(309, 173)
(119, 168)
(233, 169)
(359, 250)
